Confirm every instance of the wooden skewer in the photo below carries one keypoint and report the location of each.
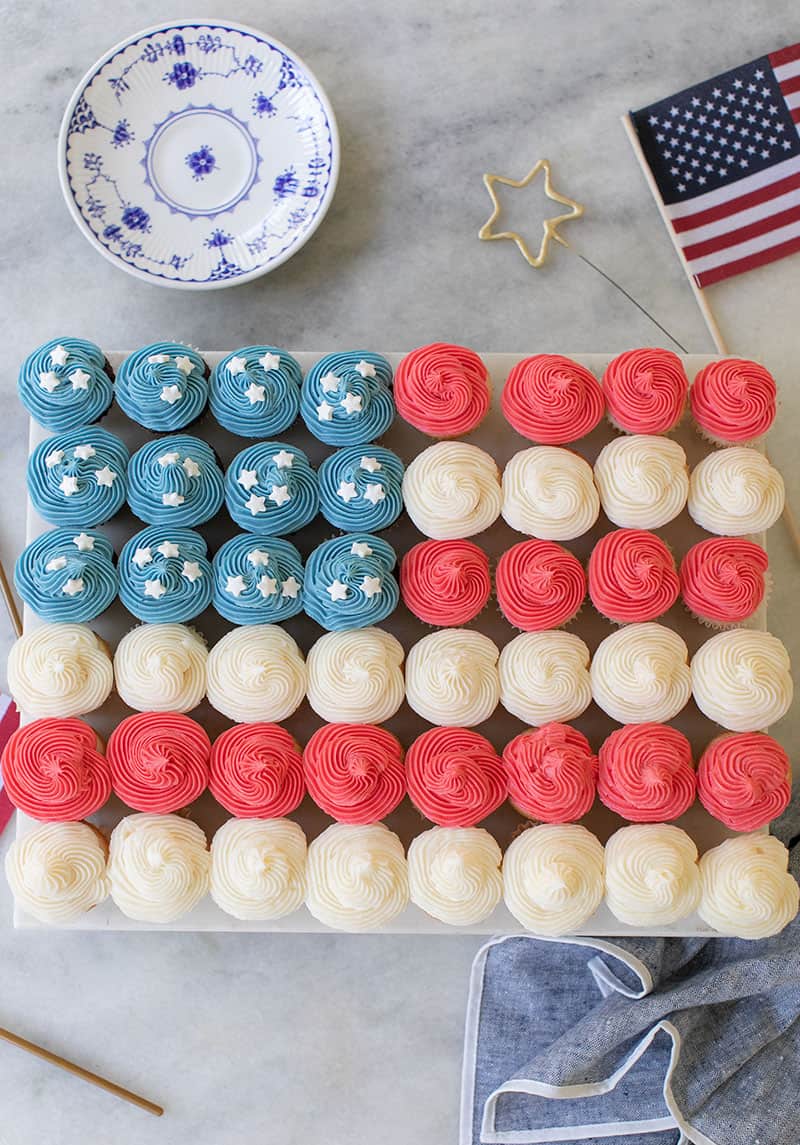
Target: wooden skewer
(10, 603)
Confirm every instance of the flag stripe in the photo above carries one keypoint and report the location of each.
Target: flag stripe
(787, 70)
(772, 222)
(727, 270)
(791, 84)
(784, 55)
(742, 250)
(739, 206)
(723, 222)
(742, 188)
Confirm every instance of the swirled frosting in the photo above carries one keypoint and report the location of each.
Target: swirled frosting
(640, 674)
(346, 398)
(442, 389)
(454, 874)
(551, 773)
(165, 574)
(163, 386)
(733, 401)
(356, 876)
(258, 580)
(652, 877)
(158, 867)
(748, 891)
(544, 677)
(256, 674)
(67, 576)
(256, 771)
(58, 871)
(553, 877)
(452, 678)
(632, 576)
(455, 777)
(360, 488)
(271, 488)
(54, 769)
(735, 491)
(744, 779)
(643, 481)
(646, 773)
(742, 679)
(539, 585)
(59, 670)
(645, 390)
(65, 383)
(255, 391)
(349, 582)
(175, 481)
(356, 676)
(159, 761)
(354, 772)
(77, 479)
(445, 583)
(258, 868)
(161, 668)
(549, 492)
(452, 490)
(551, 399)
(723, 579)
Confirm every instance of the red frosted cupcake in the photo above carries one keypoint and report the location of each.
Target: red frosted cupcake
(539, 585)
(552, 773)
(733, 401)
(455, 777)
(552, 400)
(442, 389)
(724, 580)
(159, 761)
(256, 771)
(632, 576)
(354, 772)
(54, 770)
(445, 583)
(646, 773)
(745, 780)
(645, 390)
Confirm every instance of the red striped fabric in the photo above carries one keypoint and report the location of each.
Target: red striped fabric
(9, 722)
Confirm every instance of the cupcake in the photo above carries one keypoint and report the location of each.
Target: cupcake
(645, 391)
(549, 492)
(646, 773)
(551, 772)
(552, 400)
(67, 576)
(652, 877)
(77, 479)
(349, 582)
(59, 670)
(544, 677)
(346, 398)
(54, 769)
(163, 386)
(256, 771)
(354, 772)
(735, 491)
(455, 777)
(257, 580)
(57, 872)
(442, 390)
(158, 867)
(66, 383)
(356, 676)
(733, 401)
(744, 779)
(643, 481)
(632, 576)
(255, 391)
(553, 878)
(724, 580)
(445, 583)
(747, 890)
(640, 674)
(161, 668)
(175, 481)
(454, 874)
(361, 489)
(539, 585)
(159, 761)
(742, 679)
(452, 490)
(271, 488)
(258, 868)
(256, 675)
(452, 678)
(165, 574)
(356, 877)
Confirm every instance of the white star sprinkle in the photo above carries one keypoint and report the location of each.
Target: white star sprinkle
(337, 590)
(56, 564)
(374, 493)
(192, 571)
(58, 356)
(49, 381)
(247, 479)
(290, 587)
(352, 403)
(168, 549)
(73, 586)
(268, 586)
(168, 459)
(184, 364)
(371, 586)
(235, 585)
(347, 491)
(237, 365)
(84, 452)
(270, 361)
(171, 394)
(142, 557)
(366, 369)
(360, 549)
(80, 379)
(157, 359)
(55, 457)
(371, 464)
(258, 557)
(254, 393)
(68, 484)
(256, 504)
(190, 467)
(83, 543)
(324, 412)
(154, 588)
(105, 476)
(329, 382)
(280, 495)
(283, 459)
(172, 500)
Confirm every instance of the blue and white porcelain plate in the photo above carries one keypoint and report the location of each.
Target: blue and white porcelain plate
(198, 155)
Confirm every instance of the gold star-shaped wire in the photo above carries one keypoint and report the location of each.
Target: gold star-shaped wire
(549, 226)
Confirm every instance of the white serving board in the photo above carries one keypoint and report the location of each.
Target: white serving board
(497, 437)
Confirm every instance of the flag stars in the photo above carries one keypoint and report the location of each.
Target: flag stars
(759, 74)
(653, 120)
(674, 110)
(695, 101)
(737, 83)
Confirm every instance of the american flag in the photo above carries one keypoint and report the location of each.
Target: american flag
(9, 722)
(725, 156)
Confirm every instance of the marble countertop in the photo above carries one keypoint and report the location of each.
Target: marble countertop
(260, 1038)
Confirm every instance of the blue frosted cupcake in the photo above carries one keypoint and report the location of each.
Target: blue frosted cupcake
(349, 583)
(255, 392)
(361, 488)
(175, 481)
(78, 478)
(165, 575)
(163, 387)
(258, 580)
(346, 398)
(67, 382)
(271, 488)
(67, 577)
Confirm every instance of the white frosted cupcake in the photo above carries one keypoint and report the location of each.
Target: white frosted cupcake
(454, 874)
(742, 679)
(643, 481)
(553, 877)
(356, 676)
(747, 889)
(652, 877)
(452, 679)
(544, 677)
(258, 868)
(735, 491)
(356, 877)
(60, 670)
(452, 490)
(549, 492)
(640, 674)
(161, 668)
(158, 867)
(58, 871)
(256, 674)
